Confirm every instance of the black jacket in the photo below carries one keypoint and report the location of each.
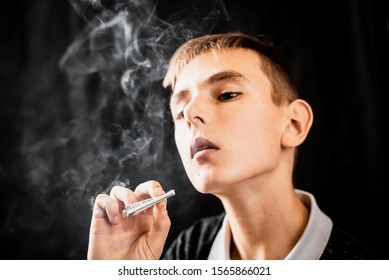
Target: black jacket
(195, 243)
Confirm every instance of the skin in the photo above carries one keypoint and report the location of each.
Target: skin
(223, 98)
(140, 237)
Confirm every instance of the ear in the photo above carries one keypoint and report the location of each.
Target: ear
(299, 122)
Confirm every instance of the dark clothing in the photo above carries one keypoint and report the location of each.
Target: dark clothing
(195, 243)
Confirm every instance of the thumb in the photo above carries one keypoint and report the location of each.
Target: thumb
(161, 225)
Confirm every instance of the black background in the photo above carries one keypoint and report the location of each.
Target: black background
(337, 53)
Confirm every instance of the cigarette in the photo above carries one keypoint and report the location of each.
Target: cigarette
(140, 206)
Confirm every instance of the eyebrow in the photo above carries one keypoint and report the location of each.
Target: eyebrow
(213, 79)
(224, 75)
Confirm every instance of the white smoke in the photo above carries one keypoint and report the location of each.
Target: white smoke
(120, 118)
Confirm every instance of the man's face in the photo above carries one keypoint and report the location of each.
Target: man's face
(227, 129)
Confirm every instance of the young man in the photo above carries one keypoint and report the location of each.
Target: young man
(238, 123)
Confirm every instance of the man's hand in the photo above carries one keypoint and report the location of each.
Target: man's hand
(140, 237)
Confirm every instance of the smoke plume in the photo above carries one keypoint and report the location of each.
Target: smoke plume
(119, 115)
(110, 124)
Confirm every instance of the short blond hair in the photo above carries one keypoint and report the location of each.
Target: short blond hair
(283, 89)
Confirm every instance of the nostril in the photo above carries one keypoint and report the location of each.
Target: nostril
(188, 124)
(199, 118)
(194, 120)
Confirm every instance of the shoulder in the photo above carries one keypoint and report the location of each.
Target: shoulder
(196, 241)
(345, 246)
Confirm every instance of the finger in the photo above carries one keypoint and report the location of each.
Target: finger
(123, 194)
(161, 220)
(106, 206)
(149, 189)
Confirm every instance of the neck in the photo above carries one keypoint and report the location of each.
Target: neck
(269, 222)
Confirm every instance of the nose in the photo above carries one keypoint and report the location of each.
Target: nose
(195, 112)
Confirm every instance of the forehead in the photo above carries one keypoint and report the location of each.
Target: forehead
(243, 61)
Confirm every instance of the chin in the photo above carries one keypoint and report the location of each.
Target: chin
(208, 180)
(207, 185)
(203, 189)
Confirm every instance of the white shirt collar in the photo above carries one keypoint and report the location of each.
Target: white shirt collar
(310, 246)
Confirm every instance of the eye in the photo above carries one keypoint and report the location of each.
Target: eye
(227, 96)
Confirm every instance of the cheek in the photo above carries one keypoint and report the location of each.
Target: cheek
(256, 134)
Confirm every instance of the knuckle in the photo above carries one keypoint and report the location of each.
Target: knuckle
(114, 190)
(100, 197)
(154, 184)
(167, 223)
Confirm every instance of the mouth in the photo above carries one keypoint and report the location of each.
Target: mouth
(201, 144)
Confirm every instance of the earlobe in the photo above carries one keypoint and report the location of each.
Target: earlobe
(299, 122)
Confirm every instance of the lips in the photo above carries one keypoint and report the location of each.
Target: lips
(201, 144)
